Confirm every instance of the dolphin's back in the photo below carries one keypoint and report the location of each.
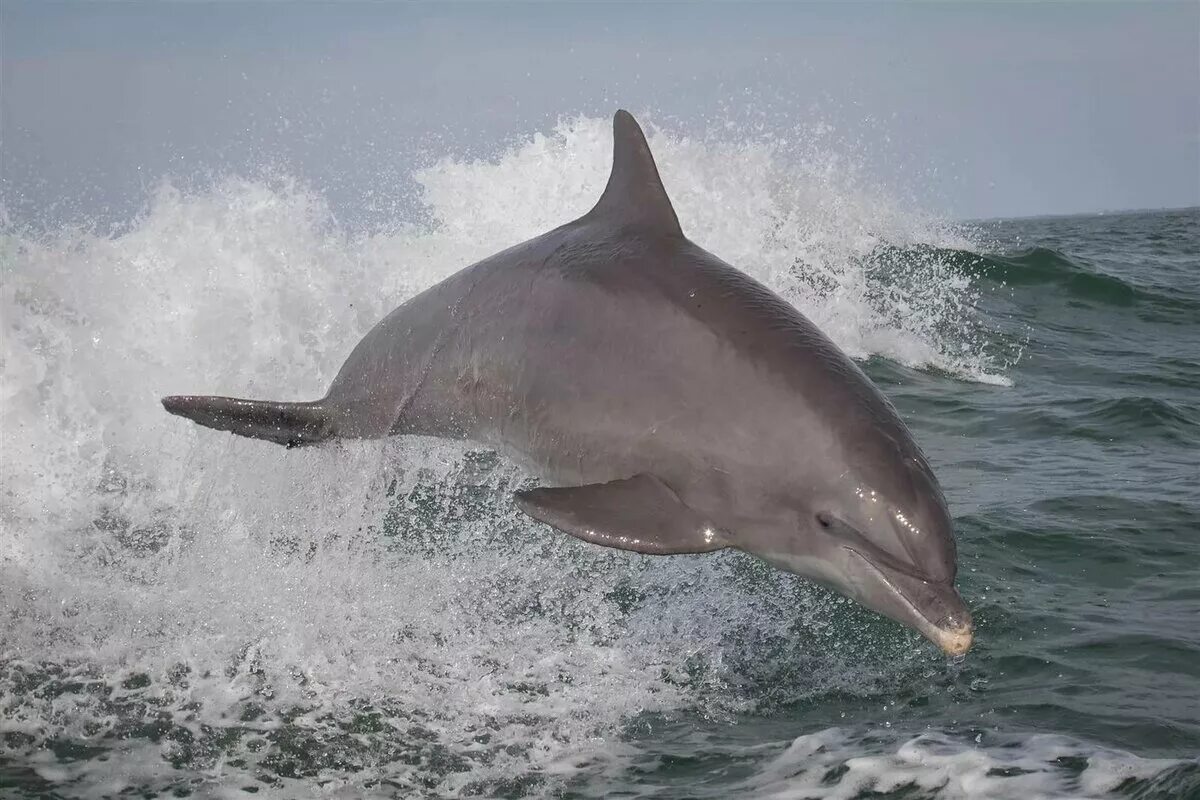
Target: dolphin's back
(606, 350)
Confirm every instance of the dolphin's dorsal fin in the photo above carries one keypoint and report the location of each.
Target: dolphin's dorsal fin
(635, 194)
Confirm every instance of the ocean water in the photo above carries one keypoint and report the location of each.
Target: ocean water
(186, 614)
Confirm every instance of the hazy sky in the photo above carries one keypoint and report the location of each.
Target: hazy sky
(971, 109)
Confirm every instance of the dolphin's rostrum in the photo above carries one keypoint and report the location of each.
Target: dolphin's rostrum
(677, 406)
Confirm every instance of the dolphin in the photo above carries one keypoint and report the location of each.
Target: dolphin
(670, 403)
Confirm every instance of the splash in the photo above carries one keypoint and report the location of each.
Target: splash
(375, 615)
(873, 276)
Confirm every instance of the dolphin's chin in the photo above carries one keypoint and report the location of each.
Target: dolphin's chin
(933, 609)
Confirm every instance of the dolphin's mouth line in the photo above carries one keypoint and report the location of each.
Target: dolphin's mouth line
(899, 593)
(862, 545)
(953, 641)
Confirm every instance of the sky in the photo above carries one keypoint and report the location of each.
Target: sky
(973, 110)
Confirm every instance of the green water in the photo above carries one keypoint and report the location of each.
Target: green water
(398, 630)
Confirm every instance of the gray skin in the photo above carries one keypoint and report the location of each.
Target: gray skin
(675, 404)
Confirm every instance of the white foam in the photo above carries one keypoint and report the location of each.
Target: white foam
(832, 765)
(232, 575)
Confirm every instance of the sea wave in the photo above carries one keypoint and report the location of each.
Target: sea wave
(1074, 278)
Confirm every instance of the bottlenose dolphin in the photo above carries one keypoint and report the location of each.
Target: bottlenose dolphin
(675, 404)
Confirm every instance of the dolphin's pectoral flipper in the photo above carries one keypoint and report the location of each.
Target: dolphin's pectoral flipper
(639, 513)
(290, 424)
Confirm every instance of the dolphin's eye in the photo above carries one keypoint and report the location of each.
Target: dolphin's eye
(825, 519)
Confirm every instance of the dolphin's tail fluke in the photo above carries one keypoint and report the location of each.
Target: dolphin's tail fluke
(289, 424)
